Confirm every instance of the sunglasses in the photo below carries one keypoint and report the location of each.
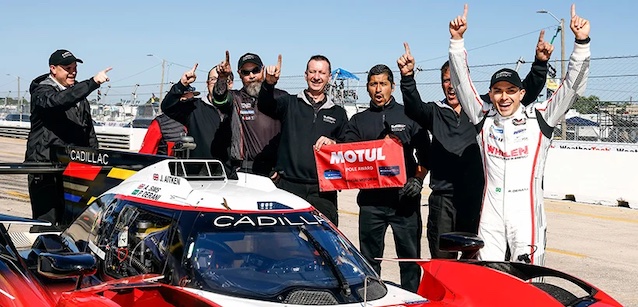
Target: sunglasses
(254, 71)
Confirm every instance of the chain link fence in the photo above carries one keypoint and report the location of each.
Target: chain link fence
(608, 111)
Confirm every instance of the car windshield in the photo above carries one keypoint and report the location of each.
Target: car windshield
(262, 255)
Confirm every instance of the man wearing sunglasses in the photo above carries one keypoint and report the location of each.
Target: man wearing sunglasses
(61, 116)
(255, 136)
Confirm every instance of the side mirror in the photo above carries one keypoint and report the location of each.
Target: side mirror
(466, 243)
(58, 266)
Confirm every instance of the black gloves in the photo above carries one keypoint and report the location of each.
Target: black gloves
(412, 188)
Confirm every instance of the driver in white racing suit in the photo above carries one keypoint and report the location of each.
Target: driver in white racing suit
(514, 143)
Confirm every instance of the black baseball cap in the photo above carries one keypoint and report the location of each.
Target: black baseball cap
(508, 75)
(63, 57)
(249, 58)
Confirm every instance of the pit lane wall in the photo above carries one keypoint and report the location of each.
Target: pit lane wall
(598, 173)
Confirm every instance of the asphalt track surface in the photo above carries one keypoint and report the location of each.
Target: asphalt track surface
(596, 243)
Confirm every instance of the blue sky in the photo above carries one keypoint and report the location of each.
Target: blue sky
(355, 35)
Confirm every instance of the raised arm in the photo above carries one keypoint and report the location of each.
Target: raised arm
(171, 104)
(221, 95)
(415, 109)
(268, 105)
(535, 80)
(575, 82)
(459, 72)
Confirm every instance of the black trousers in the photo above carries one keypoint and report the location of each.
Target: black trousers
(441, 219)
(47, 199)
(405, 220)
(325, 202)
(448, 213)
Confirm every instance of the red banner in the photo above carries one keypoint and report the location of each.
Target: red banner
(361, 165)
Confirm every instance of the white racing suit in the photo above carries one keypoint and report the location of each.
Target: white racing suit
(514, 149)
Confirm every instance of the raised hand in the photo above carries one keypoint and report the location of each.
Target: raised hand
(223, 68)
(189, 76)
(458, 25)
(406, 62)
(543, 49)
(579, 25)
(273, 72)
(101, 77)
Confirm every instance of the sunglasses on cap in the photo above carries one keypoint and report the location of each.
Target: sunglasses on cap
(254, 71)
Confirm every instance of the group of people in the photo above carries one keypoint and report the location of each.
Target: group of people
(485, 153)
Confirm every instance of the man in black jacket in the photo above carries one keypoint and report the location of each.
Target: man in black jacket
(396, 207)
(456, 172)
(61, 116)
(308, 120)
(208, 125)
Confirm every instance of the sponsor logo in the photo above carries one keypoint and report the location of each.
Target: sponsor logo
(357, 155)
(329, 119)
(498, 190)
(397, 127)
(520, 131)
(517, 190)
(519, 121)
(512, 154)
(389, 171)
(271, 205)
(167, 179)
(331, 174)
(497, 130)
(494, 137)
(225, 221)
(89, 157)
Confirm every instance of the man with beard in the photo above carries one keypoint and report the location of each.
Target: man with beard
(309, 120)
(207, 124)
(456, 173)
(60, 116)
(255, 136)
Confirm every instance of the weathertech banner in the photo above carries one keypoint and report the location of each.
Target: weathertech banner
(361, 165)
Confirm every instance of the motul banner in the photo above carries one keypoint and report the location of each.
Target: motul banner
(361, 165)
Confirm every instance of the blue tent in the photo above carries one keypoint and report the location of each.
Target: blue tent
(342, 74)
(579, 121)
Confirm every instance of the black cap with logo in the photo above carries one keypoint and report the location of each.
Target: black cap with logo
(249, 58)
(508, 75)
(63, 57)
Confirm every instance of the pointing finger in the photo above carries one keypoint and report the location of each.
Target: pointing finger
(541, 37)
(227, 57)
(195, 67)
(407, 48)
(465, 11)
(108, 69)
(279, 61)
(573, 10)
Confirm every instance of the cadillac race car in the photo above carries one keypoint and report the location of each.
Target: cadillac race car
(181, 233)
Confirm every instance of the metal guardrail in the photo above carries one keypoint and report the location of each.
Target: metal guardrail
(109, 140)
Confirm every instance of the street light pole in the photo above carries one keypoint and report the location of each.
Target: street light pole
(563, 122)
(161, 94)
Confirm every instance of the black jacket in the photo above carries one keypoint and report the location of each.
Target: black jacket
(300, 129)
(369, 125)
(59, 117)
(208, 125)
